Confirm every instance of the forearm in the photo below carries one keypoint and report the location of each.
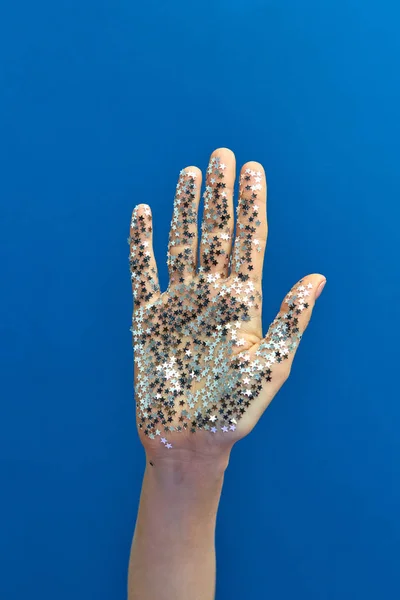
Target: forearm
(173, 548)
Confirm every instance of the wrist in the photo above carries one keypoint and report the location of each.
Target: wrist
(187, 494)
(187, 470)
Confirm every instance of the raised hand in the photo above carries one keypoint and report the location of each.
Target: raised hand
(204, 373)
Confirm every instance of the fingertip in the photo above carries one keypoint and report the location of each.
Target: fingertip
(320, 288)
(142, 208)
(256, 166)
(314, 282)
(192, 171)
(318, 281)
(227, 160)
(223, 151)
(140, 213)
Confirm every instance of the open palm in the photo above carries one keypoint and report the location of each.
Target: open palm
(202, 365)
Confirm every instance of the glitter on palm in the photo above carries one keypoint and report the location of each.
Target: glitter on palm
(194, 371)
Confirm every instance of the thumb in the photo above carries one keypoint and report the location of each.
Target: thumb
(278, 348)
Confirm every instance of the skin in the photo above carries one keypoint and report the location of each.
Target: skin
(173, 550)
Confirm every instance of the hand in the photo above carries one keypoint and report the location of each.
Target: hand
(204, 373)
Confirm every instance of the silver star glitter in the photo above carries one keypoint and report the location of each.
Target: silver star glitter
(193, 368)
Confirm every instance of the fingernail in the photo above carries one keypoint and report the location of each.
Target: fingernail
(320, 288)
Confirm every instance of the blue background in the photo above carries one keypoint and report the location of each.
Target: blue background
(101, 104)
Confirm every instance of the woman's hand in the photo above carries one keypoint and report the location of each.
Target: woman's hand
(204, 372)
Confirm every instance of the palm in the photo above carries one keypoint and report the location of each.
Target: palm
(200, 361)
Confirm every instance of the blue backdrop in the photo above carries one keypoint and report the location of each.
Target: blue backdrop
(97, 100)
